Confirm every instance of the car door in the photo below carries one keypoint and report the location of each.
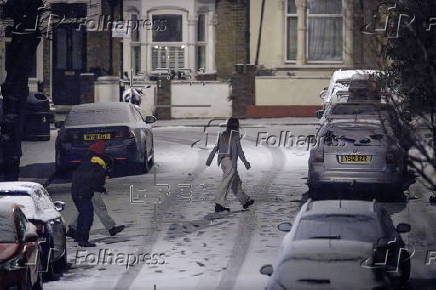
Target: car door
(146, 131)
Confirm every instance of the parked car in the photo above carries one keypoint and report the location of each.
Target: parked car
(19, 250)
(356, 110)
(341, 80)
(128, 135)
(338, 244)
(356, 153)
(39, 209)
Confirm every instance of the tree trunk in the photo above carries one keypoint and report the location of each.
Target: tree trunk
(18, 63)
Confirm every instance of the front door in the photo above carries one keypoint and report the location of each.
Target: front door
(69, 52)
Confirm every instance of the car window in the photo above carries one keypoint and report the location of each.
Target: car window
(13, 193)
(344, 227)
(100, 116)
(8, 232)
(355, 110)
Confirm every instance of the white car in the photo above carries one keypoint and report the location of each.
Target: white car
(39, 209)
(341, 80)
(338, 244)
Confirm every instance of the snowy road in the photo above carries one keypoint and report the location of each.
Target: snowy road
(195, 249)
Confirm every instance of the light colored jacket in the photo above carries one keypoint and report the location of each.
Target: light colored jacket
(228, 148)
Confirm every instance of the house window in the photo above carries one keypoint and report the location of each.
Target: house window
(168, 47)
(201, 43)
(291, 31)
(173, 28)
(168, 57)
(325, 30)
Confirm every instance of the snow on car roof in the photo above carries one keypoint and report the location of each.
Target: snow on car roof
(36, 205)
(19, 186)
(101, 106)
(348, 207)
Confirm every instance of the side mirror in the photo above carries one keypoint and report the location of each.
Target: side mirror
(59, 205)
(30, 235)
(59, 124)
(150, 119)
(266, 270)
(403, 228)
(319, 114)
(285, 227)
(323, 92)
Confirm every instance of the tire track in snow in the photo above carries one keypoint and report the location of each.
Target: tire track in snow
(247, 222)
(151, 233)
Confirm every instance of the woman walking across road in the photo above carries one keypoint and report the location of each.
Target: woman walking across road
(229, 150)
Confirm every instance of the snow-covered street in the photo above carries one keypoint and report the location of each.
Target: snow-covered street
(169, 216)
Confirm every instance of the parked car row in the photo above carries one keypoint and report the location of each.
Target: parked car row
(341, 244)
(32, 236)
(360, 145)
(347, 243)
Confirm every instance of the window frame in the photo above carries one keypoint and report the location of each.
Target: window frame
(202, 43)
(182, 44)
(341, 15)
(287, 16)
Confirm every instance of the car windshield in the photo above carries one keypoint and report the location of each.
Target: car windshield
(100, 116)
(7, 229)
(356, 110)
(344, 227)
(13, 193)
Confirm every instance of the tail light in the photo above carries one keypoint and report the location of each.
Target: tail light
(125, 134)
(318, 156)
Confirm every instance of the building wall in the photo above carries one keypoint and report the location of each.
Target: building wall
(213, 94)
(296, 85)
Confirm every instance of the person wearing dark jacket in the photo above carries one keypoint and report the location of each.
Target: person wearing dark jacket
(88, 178)
(97, 149)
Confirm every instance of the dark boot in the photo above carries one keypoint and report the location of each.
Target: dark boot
(248, 203)
(115, 230)
(71, 233)
(86, 244)
(220, 208)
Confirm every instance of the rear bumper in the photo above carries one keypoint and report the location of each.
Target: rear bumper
(71, 155)
(319, 177)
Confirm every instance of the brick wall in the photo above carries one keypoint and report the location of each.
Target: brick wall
(232, 35)
(163, 98)
(243, 89)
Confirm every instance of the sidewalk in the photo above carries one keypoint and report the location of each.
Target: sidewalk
(263, 122)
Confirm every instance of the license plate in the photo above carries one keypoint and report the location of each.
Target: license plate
(91, 137)
(355, 159)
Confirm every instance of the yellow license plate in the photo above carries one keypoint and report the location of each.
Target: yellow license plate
(91, 137)
(355, 158)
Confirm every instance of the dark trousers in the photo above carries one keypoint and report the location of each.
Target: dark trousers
(85, 218)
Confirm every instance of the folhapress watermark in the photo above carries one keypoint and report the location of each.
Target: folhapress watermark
(430, 258)
(111, 257)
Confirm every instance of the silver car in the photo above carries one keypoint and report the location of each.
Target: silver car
(356, 153)
(341, 244)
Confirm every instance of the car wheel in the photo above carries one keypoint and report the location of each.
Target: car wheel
(61, 265)
(51, 272)
(144, 167)
(404, 268)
